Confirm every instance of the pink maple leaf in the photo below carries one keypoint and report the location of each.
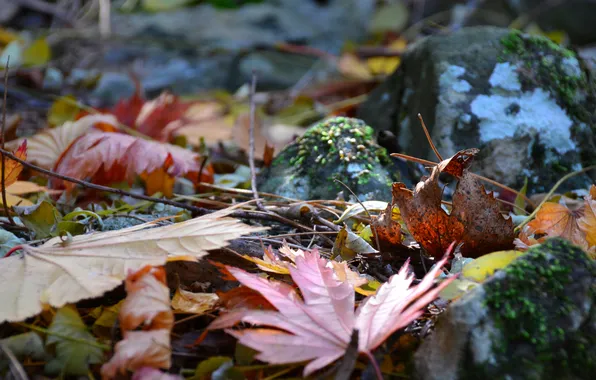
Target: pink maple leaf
(317, 328)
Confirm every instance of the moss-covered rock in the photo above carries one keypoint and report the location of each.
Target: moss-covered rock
(536, 319)
(524, 101)
(338, 148)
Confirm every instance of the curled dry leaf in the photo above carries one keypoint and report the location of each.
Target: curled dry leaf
(475, 218)
(58, 273)
(112, 157)
(147, 305)
(139, 349)
(318, 328)
(194, 303)
(387, 230)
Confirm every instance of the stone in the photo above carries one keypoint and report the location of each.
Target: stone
(574, 17)
(338, 148)
(525, 102)
(535, 319)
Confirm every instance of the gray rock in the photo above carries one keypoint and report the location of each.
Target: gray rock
(338, 148)
(113, 87)
(536, 319)
(575, 17)
(524, 101)
(325, 26)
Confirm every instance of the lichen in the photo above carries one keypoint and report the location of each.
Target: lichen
(531, 320)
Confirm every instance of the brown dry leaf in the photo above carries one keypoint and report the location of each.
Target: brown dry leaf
(46, 147)
(104, 158)
(147, 303)
(387, 230)
(58, 273)
(21, 188)
(486, 230)
(475, 218)
(194, 303)
(139, 349)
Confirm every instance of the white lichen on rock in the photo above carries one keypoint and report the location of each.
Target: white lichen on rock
(505, 76)
(570, 66)
(535, 111)
(450, 79)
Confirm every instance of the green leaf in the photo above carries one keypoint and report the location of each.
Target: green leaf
(357, 209)
(8, 240)
(75, 347)
(41, 218)
(348, 244)
(26, 345)
(244, 355)
(208, 366)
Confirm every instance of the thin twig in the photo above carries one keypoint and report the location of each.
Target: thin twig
(550, 193)
(366, 210)
(197, 210)
(4, 202)
(430, 140)
(251, 150)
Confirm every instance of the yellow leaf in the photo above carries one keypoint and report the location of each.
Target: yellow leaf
(62, 110)
(25, 187)
(14, 200)
(57, 272)
(352, 67)
(587, 223)
(387, 65)
(7, 37)
(484, 266)
(37, 54)
(194, 303)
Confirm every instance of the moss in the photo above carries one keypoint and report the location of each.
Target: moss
(525, 316)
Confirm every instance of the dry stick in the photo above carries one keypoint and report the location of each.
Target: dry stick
(488, 180)
(550, 193)
(198, 210)
(4, 203)
(430, 141)
(251, 149)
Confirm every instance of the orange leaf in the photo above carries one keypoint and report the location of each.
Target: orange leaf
(159, 180)
(12, 169)
(244, 298)
(554, 219)
(588, 222)
(112, 157)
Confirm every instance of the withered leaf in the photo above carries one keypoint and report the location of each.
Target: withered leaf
(387, 230)
(475, 219)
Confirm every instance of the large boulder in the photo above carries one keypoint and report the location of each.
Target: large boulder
(524, 101)
(338, 148)
(536, 319)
